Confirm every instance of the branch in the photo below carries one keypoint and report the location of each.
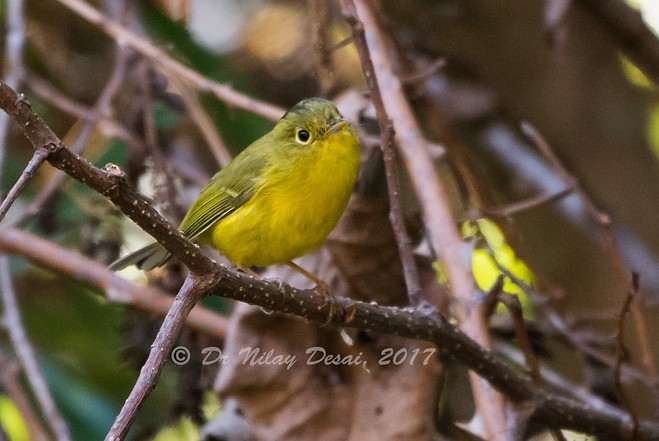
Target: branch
(193, 289)
(213, 279)
(48, 255)
(37, 159)
(527, 204)
(204, 123)
(160, 58)
(107, 125)
(50, 94)
(514, 306)
(423, 74)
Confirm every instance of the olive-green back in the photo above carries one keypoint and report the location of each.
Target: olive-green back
(227, 191)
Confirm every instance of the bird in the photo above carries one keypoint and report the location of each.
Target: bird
(279, 198)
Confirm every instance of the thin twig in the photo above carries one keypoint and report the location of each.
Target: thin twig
(571, 182)
(341, 44)
(169, 195)
(48, 255)
(40, 155)
(521, 334)
(11, 319)
(204, 123)
(171, 66)
(435, 206)
(387, 134)
(46, 91)
(552, 408)
(110, 127)
(620, 352)
(492, 298)
(512, 303)
(640, 325)
(528, 204)
(423, 75)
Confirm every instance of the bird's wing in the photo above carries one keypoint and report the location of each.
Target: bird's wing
(227, 191)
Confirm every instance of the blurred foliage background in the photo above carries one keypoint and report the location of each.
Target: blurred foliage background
(503, 64)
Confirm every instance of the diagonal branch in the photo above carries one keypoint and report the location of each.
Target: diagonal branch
(170, 65)
(193, 289)
(40, 155)
(49, 255)
(204, 123)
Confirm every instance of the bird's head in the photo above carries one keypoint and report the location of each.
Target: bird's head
(309, 121)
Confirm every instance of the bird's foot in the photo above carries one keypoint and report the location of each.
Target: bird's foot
(323, 289)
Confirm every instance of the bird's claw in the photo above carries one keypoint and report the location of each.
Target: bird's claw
(323, 289)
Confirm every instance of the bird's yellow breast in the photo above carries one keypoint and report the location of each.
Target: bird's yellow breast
(295, 208)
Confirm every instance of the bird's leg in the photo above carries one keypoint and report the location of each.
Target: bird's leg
(321, 288)
(320, 284)
(247, 270)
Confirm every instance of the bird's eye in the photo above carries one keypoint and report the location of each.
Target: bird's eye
(302, 136)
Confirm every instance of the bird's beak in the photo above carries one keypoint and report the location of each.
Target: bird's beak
(337, 126)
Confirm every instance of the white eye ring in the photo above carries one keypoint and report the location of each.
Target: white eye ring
(302, 136)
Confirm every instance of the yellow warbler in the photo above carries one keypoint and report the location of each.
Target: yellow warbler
(279, 198)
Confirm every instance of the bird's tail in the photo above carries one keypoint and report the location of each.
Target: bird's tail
(147, 258)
